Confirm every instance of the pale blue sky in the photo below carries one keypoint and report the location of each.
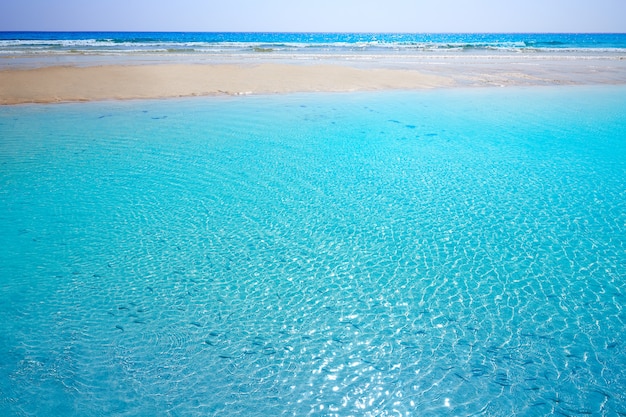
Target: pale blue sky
(320, 16)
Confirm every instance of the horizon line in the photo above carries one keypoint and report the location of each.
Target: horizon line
(317, 32)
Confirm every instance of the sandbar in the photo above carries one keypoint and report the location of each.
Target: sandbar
(70, 83)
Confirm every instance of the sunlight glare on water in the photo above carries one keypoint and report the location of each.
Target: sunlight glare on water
(446, 252)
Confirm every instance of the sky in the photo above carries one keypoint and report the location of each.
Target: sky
(315, 16)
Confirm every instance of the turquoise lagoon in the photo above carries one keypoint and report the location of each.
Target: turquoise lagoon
(449, 252)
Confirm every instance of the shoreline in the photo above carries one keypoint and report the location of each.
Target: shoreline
(73, 82)
(55, 84)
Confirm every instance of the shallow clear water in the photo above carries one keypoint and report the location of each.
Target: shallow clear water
(432, 253)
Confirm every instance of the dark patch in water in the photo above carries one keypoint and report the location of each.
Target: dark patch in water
(268, 350)
(601, 392)
(159, 117)
(430, 134)
(410, 126)
(458, 375)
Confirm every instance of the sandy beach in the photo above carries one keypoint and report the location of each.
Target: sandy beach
(69, 83)
(62, 83)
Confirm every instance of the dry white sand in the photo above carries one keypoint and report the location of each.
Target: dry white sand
(70, 83)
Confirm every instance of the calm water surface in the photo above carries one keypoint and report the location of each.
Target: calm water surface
(452, 252)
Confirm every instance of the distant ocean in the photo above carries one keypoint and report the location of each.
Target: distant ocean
(20, 43)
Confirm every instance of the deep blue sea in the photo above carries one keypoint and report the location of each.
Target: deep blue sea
(19, 43)
(435, 253)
